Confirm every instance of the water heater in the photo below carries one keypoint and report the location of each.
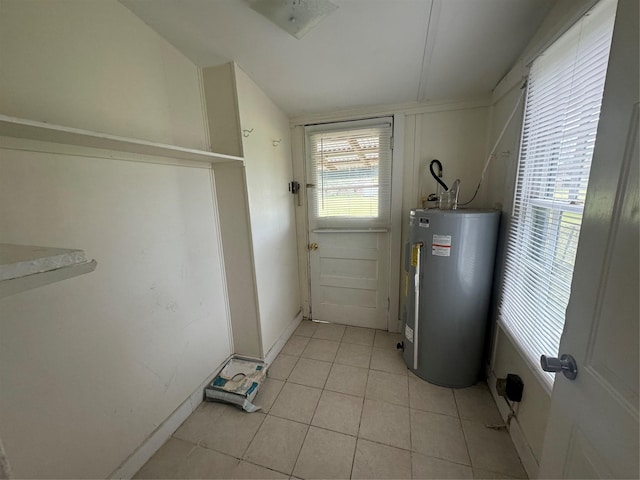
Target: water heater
(448, 266)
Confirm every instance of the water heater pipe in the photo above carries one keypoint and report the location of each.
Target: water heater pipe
(416, 285)
(495, 145)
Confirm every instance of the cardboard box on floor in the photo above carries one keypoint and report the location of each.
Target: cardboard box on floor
(238, 383)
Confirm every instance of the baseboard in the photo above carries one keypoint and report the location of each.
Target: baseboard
(525, 453)
(144, 452)
(282, 340)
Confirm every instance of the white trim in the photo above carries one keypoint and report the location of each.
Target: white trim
(412, 108)
(282, 340)
(203, 108)
(298, 161)
(535, 369)
(520, 69)
(429, 47)
(225, 289)
(518, 438)
(38, 146)
(395, 240)
(134, 462)
(32, 129)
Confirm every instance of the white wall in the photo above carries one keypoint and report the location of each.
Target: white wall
(271, 208)
(94, 65)
(455, 133)
(457, 138)
(91, 366)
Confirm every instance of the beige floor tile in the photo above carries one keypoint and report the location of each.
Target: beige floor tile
(338, 412)
(359, 336)
(486, 475)
(386, 340)
(385, 423)
(325, 454)
(430, 467)
(295, 345)
(282, 366)
(373, 460)
(180, 459)
(268, 393)
(312, 373)
(319, 349)
(431, 398)
(387, 360)
(277, 444)
(347, 379)
(492, 450)
(354, 355)
(296, 402)
(329, 331)
(220, 427)
(476, 403)
(250, 471)
(438, 436)
(306, 328)
(388, 387)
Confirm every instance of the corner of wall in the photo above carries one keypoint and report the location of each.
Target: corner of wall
(221, 106)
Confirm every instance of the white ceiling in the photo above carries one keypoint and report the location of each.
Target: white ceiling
(366, 52)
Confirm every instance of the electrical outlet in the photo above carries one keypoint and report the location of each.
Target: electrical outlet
(511, 387)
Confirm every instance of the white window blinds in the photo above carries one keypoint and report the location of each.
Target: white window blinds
(562, 109)
(350, 170)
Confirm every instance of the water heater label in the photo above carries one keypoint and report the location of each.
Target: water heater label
(414, 255)
(441, 245)
(423, 222)
(408, 333)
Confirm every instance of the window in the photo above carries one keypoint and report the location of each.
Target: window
(350, 168)
(564, 94)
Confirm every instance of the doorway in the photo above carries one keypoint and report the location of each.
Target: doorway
(349, 197)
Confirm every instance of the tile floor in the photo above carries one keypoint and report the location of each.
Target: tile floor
(340, 403)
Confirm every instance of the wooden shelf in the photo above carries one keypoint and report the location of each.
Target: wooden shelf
(23, 267)
(30, 129)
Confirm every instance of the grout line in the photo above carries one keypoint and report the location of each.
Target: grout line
(301, 447)
(246, 449)
(464, 434)
(355, 452)
(262, 466)
(311, 420)
(377, 442)
(447, 460)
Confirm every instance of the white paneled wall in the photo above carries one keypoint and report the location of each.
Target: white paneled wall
(103, 359)
(91, 366)
(267, 152)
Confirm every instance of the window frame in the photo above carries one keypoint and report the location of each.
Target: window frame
(385, 168)
(541, 245)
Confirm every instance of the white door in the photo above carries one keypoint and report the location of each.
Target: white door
(592, 430)
(349, 205)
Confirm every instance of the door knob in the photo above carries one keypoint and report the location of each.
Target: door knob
(313, 246)
(565, 364)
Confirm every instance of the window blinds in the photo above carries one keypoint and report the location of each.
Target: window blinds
(350, 170)
(562, 109)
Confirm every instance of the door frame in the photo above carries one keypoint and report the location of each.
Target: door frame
(302, 221)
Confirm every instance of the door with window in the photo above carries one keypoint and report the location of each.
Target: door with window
(349, 205)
